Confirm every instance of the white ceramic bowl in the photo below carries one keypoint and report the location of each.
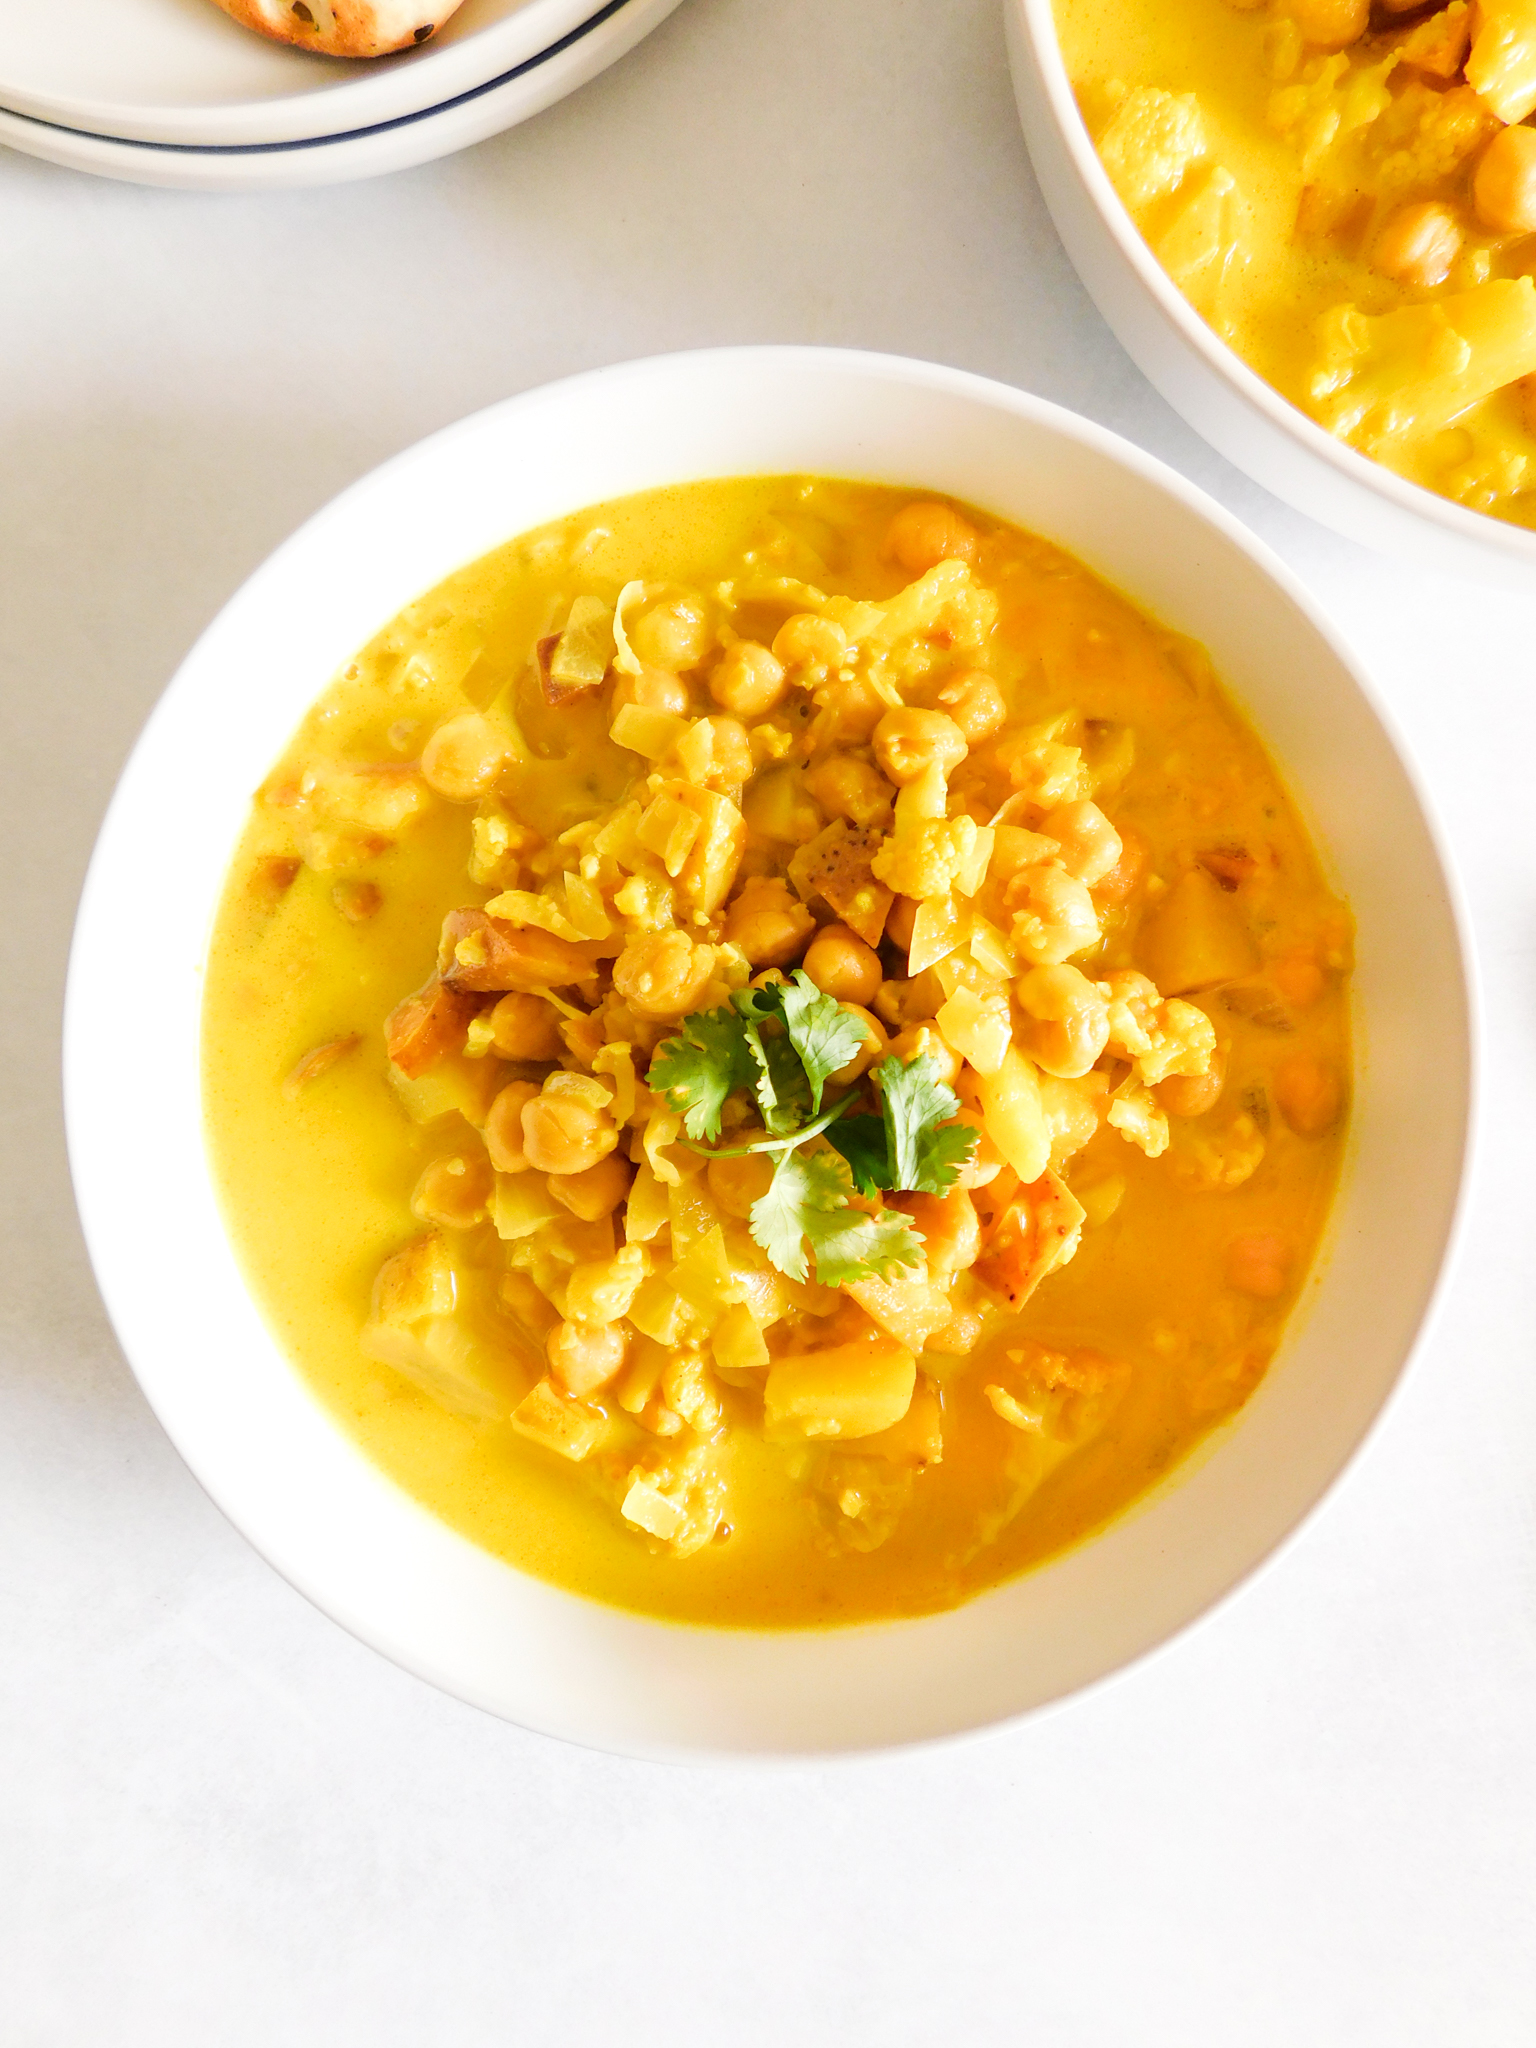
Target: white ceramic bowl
(179, 71)
(397, 145)
(242, 1417)
(1221, 398)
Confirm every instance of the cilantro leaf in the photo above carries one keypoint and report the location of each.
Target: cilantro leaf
(808, 1200)
(822, 1032)
(862, 1142)
(915, 1102)
(697, 1070)
(852, 1246)
(783, 1090)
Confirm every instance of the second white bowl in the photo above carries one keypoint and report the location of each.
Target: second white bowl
(1246, 419)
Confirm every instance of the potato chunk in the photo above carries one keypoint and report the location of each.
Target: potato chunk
(849, 1390)
(906, 1306)
(1196, 938)
(568, 1428)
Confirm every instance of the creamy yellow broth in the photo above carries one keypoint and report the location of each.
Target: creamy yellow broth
(1193, 1232)
(1348, 196)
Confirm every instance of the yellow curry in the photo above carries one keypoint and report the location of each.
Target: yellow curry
(776, 1053)
(1346, 192)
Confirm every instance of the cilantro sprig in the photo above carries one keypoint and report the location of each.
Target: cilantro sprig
(783, 1042)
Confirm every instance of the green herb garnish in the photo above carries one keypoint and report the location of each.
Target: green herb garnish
(784, 1042)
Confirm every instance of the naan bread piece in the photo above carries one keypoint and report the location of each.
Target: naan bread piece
(343, 28)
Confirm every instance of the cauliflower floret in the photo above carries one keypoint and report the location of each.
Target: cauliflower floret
(1152, 139)
(1138, 1117)
(1421, 366)
(1133, 1002)
(1211, 1162)
(925, 857)
(1183, 1043)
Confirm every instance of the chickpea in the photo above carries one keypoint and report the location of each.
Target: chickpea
(1054, 915)
(908, 742)
(1310, 1093)
(1259, 1263)
(654, 689)
(926, 1040)
(662, 974)
(748, 680)
(899, 920)
(525, 1028)
(857, 708)
(673, 634)
(924, 534)
(1069, 1020)
(1128, 872)
(950, 1232)
(1194, 1094)
(848, 787)
(464, 757)
(1504, 184)
(841, 965)
(1331, 24)
(1419, 244)
(584, 1356)
(770, 924)
(1298, 978)
(732, 752)
(806, 640)
(595, 1193)
(504, 1127)
(873, 1048)
(453, 1192)
(975, 703)
(1090, 845)
(737, 1183)
(563, 1134)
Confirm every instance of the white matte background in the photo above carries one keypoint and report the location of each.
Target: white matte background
(1310, 1822)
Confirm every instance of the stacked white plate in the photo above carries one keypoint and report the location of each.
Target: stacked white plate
(172, 92)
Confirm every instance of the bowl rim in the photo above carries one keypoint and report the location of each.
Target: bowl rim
(1037, 21)
(86, 1154)
(362, 95)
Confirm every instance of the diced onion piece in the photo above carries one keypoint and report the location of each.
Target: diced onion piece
(940, 926)
(645, 731)
(738, 1342)
(978, 1028)
(704, 1278)
(521, 1204)
(648, 1508)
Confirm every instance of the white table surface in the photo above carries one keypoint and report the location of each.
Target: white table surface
(1312, 1821)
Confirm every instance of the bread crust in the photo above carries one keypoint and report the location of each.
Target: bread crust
(343, 28)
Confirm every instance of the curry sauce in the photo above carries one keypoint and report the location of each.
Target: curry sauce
(839, 768)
